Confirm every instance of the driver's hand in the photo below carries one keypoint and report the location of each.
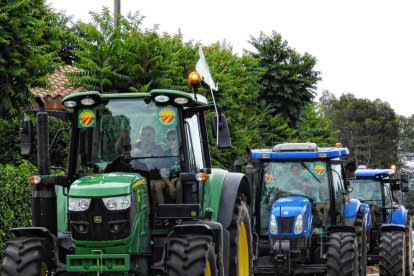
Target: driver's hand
(172, 190)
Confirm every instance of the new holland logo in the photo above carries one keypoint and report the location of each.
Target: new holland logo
(97, 219)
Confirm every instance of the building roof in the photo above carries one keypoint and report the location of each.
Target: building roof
(60, 84)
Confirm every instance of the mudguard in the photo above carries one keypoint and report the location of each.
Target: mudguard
(392, 227)
(288, 207)
(367, 215)
(234, 183)
(399, 215)
(351, 210)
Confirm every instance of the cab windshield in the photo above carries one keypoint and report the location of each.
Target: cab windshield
(367, 190)
(144, 135)
(295, 178)
(308, 179)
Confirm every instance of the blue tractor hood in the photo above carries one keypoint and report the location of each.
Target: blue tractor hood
(286, 211)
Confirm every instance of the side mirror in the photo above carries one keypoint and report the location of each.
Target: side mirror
(26, 136)
(404, 183)
(223, 138)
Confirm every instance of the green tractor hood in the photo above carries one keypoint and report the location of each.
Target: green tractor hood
(103, 185)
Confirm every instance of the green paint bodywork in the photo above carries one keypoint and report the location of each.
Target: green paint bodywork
(103, 185)
(212, 191)
(113, 251)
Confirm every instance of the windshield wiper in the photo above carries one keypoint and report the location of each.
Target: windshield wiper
(306, 167)
(149, 157)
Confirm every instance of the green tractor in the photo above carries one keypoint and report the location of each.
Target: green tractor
(102, 216)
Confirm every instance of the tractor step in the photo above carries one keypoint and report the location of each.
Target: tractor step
(179, 211)
(97, 262)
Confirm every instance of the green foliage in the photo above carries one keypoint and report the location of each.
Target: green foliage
(124, 58)
(313, 127)
(250, 119)
(15, 196)
(29, 38)
(406, 142)
(289, 79)
(10, 146)
(368, 128)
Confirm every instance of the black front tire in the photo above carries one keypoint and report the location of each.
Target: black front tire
(392, 254)
(342, 255)
(408, 248)
(24, 256)
(240, 220)
(189, 255)
(361, 236)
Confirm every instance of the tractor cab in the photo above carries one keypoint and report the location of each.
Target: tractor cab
(301, 204)
(389, 238)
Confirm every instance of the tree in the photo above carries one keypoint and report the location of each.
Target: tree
(251, 120)
(368, 128)
(406, 143)
(313, 127)
(289, 80)
(29, 39)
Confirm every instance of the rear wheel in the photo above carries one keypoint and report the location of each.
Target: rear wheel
(342, 256)
(24, 256)
(392, 254)
(361, 236)
(241, 255)
(408, 248)
(191, 256)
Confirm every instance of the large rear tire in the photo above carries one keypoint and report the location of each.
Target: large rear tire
(342, 255)
(392, 254)
(24, 256)
(361, 236)
(191, 256)
(408, 248)
(241, 253)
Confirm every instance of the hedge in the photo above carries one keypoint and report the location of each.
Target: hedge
(15, 196)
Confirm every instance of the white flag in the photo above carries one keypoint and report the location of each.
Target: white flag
(204, 71)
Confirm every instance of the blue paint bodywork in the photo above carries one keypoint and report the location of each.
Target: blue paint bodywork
(321, 153)
(399, 213)
(292, 206)
(373, 173)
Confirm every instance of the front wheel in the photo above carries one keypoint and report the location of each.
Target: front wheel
(24, 256)
(241, 254)
(408, 248)
(392, 254)
(361, 236)
(342, 256)
(189, 255)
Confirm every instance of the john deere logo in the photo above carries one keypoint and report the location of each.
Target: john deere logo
(167, 116)
(97, 219)
(87, 118)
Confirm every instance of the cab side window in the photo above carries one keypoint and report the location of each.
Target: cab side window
(337, 183)
(194, 142)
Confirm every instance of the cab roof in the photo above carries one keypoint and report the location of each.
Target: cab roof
(295, 153)
(373, 173)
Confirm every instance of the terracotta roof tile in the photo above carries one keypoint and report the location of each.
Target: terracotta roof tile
(60, 84)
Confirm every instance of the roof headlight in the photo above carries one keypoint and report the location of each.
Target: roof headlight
(87, 101)
(181, 100)
(70, 104)
(161, 99)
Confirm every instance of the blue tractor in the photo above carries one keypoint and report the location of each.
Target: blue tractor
(304, 220)
(390, 237)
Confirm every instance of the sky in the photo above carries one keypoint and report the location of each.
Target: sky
(363, 47)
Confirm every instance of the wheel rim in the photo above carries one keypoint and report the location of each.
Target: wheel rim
(243, 262)
(43, 269)
(207, 271)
